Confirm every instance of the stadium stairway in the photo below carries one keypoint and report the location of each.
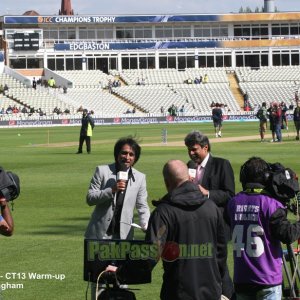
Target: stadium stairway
(235, 89)
(121, 98)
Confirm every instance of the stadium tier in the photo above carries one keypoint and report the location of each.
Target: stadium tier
(118, 64)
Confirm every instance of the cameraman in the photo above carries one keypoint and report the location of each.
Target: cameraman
(259, 223)
(6, 220)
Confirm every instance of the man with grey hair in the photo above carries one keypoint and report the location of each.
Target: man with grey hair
(215, 179)
(185, 219)
(214, 175)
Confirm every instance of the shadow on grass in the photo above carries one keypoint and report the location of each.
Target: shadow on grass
(63, 228)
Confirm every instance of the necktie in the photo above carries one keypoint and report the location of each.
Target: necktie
(199, 175)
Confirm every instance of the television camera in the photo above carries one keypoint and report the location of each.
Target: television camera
(282, 183)
(9, 185)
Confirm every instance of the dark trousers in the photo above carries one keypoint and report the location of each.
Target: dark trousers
(227, 285)
(87, 140)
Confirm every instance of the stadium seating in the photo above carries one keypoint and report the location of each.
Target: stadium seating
(159, 88)
(44, 99)
(171, 76)
(269, 83)
(96, 99)
(89, 78)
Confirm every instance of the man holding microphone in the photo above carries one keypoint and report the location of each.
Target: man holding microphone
(115, 190)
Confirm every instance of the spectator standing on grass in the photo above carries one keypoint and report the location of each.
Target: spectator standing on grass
(277, 119)
(259, 225)
(284, 121)
(296, 96)
(271, 114)
(296, 116)
(217, 117)
(262, 115)
(86, 131)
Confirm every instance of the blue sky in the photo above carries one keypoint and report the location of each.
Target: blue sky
(119, 7)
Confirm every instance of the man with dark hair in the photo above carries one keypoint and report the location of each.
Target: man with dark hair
(262, 115)
(259, 223)
(116, 198)
(296, 117)
(215, 179)
(217, 117)
(86, 131)
(105, 190)
(284, 110)
(275, 115)
(214, 175)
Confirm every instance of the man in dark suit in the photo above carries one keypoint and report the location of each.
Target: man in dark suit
(86, 131)
(215, 179)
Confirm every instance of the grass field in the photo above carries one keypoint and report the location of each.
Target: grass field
(51, 214)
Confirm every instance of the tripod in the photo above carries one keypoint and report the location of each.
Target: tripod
(291, 292)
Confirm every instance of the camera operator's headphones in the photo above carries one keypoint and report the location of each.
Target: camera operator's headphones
(264, 178)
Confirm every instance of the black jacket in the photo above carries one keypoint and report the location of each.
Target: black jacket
(218, 179)
(194, 222)
(85, 121)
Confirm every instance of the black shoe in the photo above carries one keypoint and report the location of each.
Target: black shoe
(79, 152)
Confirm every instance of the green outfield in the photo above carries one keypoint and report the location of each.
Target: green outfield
(51, 214)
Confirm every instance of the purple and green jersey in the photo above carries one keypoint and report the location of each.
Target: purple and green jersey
(257, 255)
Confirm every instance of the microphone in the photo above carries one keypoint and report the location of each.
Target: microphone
(122, 175)
(192, 169)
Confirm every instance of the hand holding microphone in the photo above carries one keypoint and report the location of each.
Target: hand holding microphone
(192, 166)
(122, 179)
